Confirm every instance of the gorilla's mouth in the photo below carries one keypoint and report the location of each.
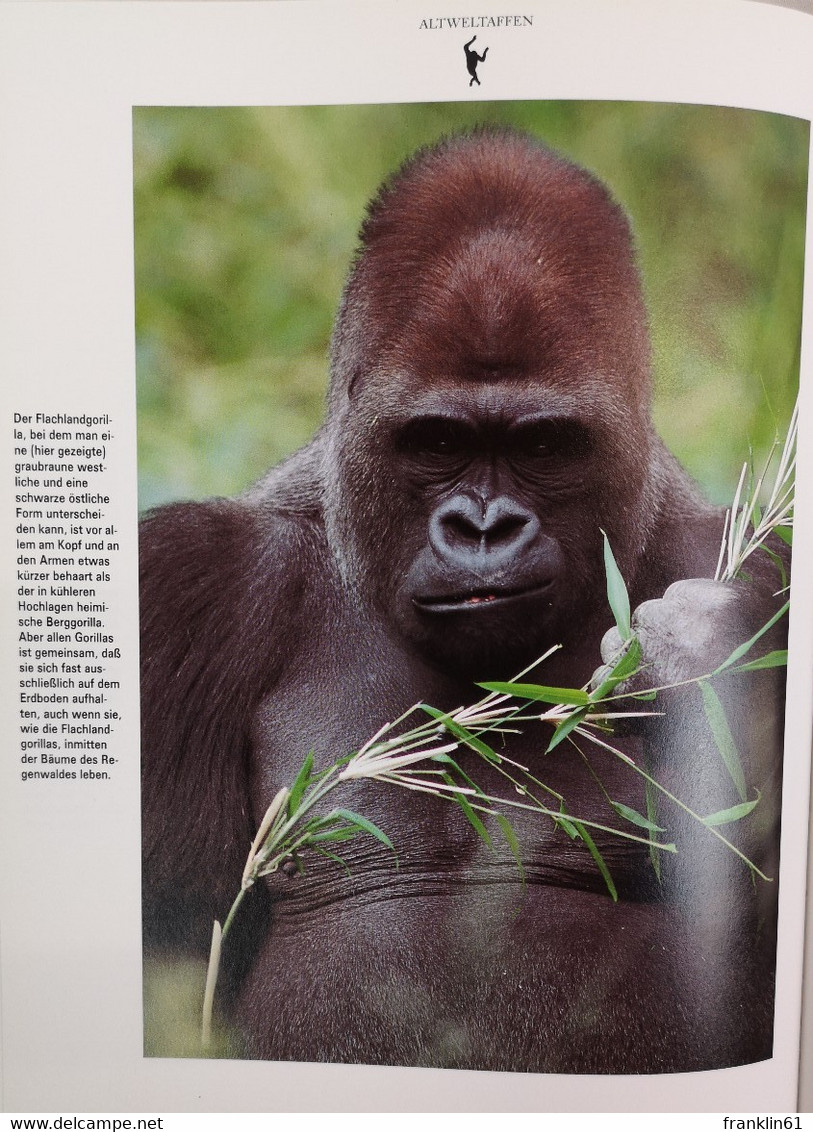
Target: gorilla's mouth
(477, 599)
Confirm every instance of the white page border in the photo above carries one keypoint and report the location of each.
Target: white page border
(70, 75)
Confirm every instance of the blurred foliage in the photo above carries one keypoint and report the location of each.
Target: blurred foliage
(173, 996)
(246, 222)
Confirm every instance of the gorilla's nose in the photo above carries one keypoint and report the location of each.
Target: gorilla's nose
(471, 533)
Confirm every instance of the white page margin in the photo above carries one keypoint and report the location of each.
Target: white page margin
(70, 76)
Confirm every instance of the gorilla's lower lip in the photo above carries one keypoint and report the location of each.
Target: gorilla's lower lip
(474, 600)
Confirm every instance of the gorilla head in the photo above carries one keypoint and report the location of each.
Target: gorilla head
(489, 409)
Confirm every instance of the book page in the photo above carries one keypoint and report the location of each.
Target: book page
(181, 205)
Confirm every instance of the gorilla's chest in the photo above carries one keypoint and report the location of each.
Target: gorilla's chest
(482, 976)
(435, 839)
(460, 953)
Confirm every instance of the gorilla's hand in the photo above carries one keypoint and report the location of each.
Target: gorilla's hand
(687, 633)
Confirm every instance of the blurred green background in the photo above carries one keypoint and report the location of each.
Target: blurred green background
(246, 222)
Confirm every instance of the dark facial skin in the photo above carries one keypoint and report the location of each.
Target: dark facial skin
(488, 586)
(488, 419)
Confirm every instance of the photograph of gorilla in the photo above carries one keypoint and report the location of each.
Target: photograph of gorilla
(488, 418)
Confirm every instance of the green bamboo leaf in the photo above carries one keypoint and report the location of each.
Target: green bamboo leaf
(629, 661)
(617, 592)
(563, 729)
(743, 649)
(469, 814)
(317, 824)
(334, 857)
(723, 737)
(573, 696)
(776, 659)
(461, 733)
(733, 813)
(785, 533)
(651, 795)
(627, 665)
(436, 713)
(317, 776)
(343, 833)
(597, 857)
(564, 821)
(633, 816)
(366, 825)
(300, 784)
(567, 826)
(778, 563)
(447, 760)
(513, 844)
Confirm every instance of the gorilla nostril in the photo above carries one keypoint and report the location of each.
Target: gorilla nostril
(506, 528)
(460, 528)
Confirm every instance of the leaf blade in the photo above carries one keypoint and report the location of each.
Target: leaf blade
(564, 728)
(731, 814)
(513, 843)
(617, 594)
(776, 659)
(633, 816)
(300, 784)
(365, 824)
(468, 812)
(627, 665)
(573, 697)
(463, 734)
(723, 738)
(742, 649)
(597, 857)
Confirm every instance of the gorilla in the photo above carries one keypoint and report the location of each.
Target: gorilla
(488, 419)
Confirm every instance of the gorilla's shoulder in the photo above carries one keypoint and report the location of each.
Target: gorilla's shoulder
(224, 571)
(224, 539)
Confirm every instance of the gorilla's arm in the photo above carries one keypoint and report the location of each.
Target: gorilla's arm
(211, 623)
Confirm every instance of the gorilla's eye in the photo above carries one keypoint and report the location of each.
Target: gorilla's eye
(551, 439)
(437, 437)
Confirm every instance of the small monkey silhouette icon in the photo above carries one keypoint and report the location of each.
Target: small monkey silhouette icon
(472, 59)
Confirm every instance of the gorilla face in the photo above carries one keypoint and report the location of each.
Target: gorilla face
(489, 498)
(490, 406)
(488, 479)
